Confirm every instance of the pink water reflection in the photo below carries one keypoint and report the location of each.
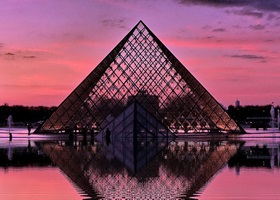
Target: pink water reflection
(35, 183)
(248, 183)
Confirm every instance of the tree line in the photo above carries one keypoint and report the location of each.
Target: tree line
(32, 114)
(242, 113)
(23, 115)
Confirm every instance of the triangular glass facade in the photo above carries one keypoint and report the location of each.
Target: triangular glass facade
(136, 137)
(140, 67)
(136, 119)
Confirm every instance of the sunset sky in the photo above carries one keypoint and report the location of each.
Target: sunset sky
(48, 47)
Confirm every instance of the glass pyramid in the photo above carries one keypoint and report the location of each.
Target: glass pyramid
(140, 67)
(136, 137)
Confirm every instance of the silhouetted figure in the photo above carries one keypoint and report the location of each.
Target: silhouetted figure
(70, 132)
(10, 121)
(84, 132)
(92, 135)
(29, 146)
(108, 136)
(29, 128)
(10, 136)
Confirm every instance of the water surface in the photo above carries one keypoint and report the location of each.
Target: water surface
(245, 167)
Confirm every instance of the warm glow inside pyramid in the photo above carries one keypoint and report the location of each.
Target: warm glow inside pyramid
(141, 68)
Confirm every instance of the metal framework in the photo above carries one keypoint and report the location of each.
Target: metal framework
(140, 67)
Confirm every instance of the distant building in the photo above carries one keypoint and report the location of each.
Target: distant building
(237, 103)
(148, 101)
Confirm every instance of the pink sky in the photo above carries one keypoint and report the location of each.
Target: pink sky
(48, 47)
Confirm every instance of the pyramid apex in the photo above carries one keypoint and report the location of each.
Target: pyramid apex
(141, 23)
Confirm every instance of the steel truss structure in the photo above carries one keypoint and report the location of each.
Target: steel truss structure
(141, 68)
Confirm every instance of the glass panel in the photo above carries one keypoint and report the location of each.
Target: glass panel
(141, 68)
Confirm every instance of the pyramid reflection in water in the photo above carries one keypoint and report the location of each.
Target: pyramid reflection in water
(179, 171)
(140, 67)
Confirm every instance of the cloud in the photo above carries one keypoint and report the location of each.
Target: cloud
(9, 54)
(1, 44)
(219, 30)
(214, 2)
(119, 23)
(209, 37)
(268, 40)
(29, 57)
(257, 27)
(247, 56)
(261, 5)
(272, 16)
(267, 5)
(25, 54)
(206, 27)
(246, 12)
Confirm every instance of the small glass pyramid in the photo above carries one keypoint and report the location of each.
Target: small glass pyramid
(135, 137)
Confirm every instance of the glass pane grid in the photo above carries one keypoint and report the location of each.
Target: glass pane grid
(141, 67)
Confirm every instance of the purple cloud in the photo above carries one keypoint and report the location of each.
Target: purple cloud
(219, 30)
(261, 5)
(246, 12)
(257, 27)
(247, 56)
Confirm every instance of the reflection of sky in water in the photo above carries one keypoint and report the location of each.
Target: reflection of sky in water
(180, 169)
(251, 183)
(34, 183)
